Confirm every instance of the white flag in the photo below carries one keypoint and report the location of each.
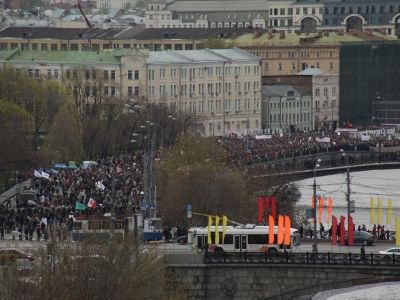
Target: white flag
(37, 174)
(100, 185)
(45, 175)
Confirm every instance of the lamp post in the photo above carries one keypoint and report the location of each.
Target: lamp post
(315, 246)
(348, 184)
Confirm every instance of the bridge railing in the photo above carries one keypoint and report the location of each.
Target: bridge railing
(304, 258)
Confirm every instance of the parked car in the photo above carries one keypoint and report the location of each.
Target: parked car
(12, 254)
(183, 240)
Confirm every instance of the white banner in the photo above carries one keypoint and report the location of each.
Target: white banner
(45, 175)
(37, 174)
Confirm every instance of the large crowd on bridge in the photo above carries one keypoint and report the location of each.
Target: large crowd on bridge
(250, 150)
(56, 197)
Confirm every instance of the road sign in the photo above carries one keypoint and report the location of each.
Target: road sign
(189, 211)
(152, 206)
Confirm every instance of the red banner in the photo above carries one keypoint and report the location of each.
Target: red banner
(350, 230)
(334, 230)
(260, 209)
(342, 230)
(271, 238)
(321, 205)
(272, 201)
(287, 231)
(280, 230)
(266, 207)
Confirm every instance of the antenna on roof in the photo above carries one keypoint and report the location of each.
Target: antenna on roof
(83, 14)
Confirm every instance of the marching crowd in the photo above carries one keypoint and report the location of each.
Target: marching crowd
(56, 197)
(249, 150)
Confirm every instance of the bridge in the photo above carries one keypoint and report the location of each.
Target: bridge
(301, 166)
(288, 276)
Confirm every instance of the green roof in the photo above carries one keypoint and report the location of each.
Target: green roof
(293, 39)
(72, 57)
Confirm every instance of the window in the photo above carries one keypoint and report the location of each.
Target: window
(64, 47)
(112, 75)
(112, 90)
(56, 74)
(3, 46)
(130, 91)
(282, 11)
(43, 47)
(317, 92)
(130, 75)
(259, 239)
(105, 75)
(34, 47)
(74, 47)
(305, 10)
(136, 89)
(37, 73)
(14, 46)
(95, 47)
(24, 46)
(68, 74)
(54, 47)
(48, 74)
(136, 75)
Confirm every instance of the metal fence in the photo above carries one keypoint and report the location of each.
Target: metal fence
(303, 259)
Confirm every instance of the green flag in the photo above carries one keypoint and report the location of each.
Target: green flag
(79, 206)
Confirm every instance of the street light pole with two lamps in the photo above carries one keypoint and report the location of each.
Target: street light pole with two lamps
(315, 246)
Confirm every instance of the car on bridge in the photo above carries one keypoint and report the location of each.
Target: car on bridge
(363, 238)
(12, 254)
(391, 251)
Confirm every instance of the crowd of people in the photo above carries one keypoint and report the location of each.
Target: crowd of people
(249, 150)
(55, 198)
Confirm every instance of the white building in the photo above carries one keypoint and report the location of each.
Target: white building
(285, 109)
(219, 89)
(325, 89)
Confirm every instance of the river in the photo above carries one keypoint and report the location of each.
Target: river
(383, 184)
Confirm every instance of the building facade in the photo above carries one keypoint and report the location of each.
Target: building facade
(325, 88)
(369, 83)
(286, 109)
(294, 15)
(219, 90)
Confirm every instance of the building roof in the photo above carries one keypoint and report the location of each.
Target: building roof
(312, 72)
(212, 6)
(200, 56)
(71, 57)
(280, 91)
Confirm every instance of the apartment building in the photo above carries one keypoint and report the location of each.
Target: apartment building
(286, 109)
(325, 88)
(220, 89)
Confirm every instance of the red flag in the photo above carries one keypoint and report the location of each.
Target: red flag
(334, 230)
(350, 230)
(266, 207)
(260, 209)
(287, 230)
(92, 203)
(342, 230)
(321, 205)
(273, 207)
(280, 229)
(312, 202)
(271, 238)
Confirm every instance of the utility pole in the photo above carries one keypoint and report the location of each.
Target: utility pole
(315, 246)
(348, 190)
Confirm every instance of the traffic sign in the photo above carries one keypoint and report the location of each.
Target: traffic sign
(152, 206)
(189, 211)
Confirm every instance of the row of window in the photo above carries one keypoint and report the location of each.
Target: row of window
(290, 118)
(325, 92)
(289, 104)
(89, 47)
(294, 66)
(343, 10)
(216, 128)
(235, 105)
(295, 54)
(191, 73)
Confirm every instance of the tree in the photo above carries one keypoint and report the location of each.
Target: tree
(94, 270)
(194, 172)
(64, 141)
(15, 138)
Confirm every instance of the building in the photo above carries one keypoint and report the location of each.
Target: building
(282, 15)
(325, 89)
(369, 82)
(286, 109)
(219, 90)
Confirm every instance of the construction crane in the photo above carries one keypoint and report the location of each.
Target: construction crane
(83, 14)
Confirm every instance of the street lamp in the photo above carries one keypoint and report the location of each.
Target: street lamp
(348, 183)
(315, 246)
